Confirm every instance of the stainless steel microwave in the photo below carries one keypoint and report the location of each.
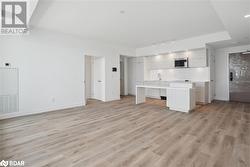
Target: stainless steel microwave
(182, 62)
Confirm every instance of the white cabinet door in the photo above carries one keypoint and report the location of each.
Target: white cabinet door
(159, 62)
(169, 62)
(153, 93)
(139, 71)
(150, 63)
(198, 58)
(180, 99)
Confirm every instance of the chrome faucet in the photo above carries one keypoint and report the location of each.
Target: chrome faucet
(159, 76)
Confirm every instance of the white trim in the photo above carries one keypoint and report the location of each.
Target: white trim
(19, 114)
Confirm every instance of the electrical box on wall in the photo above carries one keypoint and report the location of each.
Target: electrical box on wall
(114, 69)
(7, 64)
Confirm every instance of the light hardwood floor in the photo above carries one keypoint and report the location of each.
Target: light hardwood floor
(121, 133)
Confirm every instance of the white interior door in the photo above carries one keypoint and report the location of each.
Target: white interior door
(99, 73)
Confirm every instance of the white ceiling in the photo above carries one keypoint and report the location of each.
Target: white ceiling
(231, 13)
(142, 23)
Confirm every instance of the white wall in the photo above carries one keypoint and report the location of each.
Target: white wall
(135, 73)
(51, 68)
(222, 70)
(50, 75)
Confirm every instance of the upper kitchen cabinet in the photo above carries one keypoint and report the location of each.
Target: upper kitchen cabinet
(159, 62)
(164, 62)
(139, 67)
(197, 58)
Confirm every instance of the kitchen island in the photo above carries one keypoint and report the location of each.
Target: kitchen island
(180, 95)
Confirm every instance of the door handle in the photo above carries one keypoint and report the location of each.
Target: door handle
(99, 81)
(231, 76)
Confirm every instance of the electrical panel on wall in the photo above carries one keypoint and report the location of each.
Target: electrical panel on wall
(9, 89)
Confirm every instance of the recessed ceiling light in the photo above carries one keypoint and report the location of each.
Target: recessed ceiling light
(158, 57)
(247, 16)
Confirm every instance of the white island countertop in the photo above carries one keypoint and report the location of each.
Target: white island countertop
(173, 84)
(180, 95)
(152, 86)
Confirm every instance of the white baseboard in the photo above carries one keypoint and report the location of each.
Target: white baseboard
(113, 99)
(19, 114)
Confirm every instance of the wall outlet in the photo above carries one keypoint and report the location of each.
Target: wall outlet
(53, 100)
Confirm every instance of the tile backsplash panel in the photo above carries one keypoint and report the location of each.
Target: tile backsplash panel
(193, 74)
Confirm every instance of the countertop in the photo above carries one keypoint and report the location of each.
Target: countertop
(174, 81)
(173, 84)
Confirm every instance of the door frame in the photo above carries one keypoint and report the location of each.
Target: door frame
(228, 70)
(124, 60)
(92, 75)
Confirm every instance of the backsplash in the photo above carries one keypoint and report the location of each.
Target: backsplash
(192, 74)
